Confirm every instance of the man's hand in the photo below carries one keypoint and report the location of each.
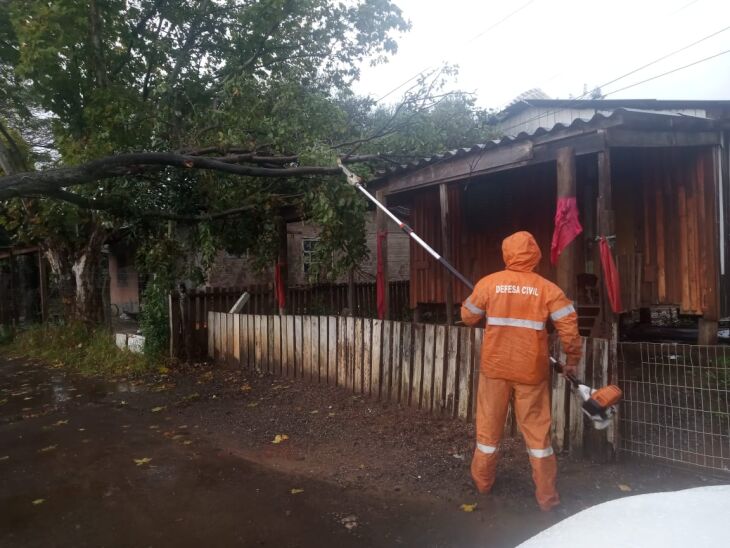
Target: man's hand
(569, 370)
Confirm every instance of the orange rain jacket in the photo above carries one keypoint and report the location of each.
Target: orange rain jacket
(517, 302)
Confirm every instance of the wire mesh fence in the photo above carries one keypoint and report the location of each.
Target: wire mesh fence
(676, 403)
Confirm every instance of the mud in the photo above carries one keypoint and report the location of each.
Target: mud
(74, 468)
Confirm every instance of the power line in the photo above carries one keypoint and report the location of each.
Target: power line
(634, 71)
(670, 72)
(472, 39)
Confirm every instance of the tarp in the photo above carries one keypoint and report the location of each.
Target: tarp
(380, 284)
(610, 276)
(567, 226)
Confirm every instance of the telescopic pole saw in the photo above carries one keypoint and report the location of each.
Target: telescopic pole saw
(355, 181)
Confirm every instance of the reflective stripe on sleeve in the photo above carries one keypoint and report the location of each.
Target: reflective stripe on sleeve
(516, 322)
(562, 312)
(472, 308)
(540, 453)
(488, 449)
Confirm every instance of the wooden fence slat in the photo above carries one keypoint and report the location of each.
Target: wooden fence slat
(314, 348)
(276, 331)
(332, 356)
(323, 349)
(576, 414)
(357, 380)
(367, 327)
(476, 365)
(341, 351)
(416, 387)
(217, 338)
(452, 353)
(386, 358)
(406, 369)
(251, 326)
(257, 345)
(428, 367)
(375, 356)
(236, 318)
(439, 381)
(307, 347)
(350, 352)
(298, 347)
(232, 340)
(466, 357)
(395, 362)
(211, 335)
(289, 322)
(242, 340)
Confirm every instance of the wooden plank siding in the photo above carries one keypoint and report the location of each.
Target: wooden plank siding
(662, 228)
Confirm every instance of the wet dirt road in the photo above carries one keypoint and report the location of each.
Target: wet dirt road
(74, 472)
(182, 462)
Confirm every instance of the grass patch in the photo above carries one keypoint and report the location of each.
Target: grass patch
(90, 352)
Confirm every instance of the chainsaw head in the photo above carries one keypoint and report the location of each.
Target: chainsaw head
(353, 179)
(600, 405)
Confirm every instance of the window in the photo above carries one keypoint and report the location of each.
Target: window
(309, 249)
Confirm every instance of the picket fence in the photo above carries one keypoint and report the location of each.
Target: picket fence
(426, 366)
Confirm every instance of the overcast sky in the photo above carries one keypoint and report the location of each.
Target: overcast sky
(561, 45)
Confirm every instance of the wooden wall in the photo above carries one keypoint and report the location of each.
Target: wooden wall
(483, 213)
(664, 201)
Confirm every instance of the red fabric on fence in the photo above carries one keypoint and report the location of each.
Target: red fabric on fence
(380, 283)
(610, 276)
(280, 292)
(567, 226)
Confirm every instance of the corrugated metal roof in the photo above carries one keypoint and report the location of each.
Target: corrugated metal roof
(619, 117)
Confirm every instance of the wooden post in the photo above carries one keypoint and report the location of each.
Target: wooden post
(381, 225)
(710, 177)
(566, 275)
(605, 228)
(351, 292)
(446, 251)
(283, 262)
(174, 313)
(43, 285)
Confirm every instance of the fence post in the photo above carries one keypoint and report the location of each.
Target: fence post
(174, 313)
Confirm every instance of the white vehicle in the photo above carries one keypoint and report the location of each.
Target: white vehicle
(693, 518)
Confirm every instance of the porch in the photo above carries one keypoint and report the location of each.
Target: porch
(652, 184)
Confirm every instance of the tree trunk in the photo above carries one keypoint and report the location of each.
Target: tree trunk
(79, 276)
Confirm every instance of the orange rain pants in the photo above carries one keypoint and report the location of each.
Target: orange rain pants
(532, 410)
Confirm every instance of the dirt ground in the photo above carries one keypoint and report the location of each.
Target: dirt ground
(345, 472)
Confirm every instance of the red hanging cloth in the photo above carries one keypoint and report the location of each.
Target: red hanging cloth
(278, 282)
(567, 226)
(610, 276)
(380, 284)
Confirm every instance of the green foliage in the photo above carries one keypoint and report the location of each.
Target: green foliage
(155, 319)
(75, 347)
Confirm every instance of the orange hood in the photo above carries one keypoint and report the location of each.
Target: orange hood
(521, 252)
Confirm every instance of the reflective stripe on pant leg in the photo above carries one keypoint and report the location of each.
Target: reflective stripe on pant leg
(486, 449)
(540, 453)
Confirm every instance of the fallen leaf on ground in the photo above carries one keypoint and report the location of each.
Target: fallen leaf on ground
(126, 426)
(253, 404)
(296, 491)
(331, 414)
(178, 437)
(154, 426)
(182, 426)
(205, 377)
(162, 369)
(279, 438)
(350, 522)
(6, 457)
(623, 487)
(142, 461)
(59, 423)
(468, 507)
(246, 387)
(157, 409)
(49, 448)
(187, 442)
(314, 412)
(82, 429)
(36, 502)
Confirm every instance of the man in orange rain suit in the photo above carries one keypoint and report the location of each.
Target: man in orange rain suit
(517, 302)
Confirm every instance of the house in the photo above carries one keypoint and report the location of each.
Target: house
(302, 237)
(534, 110)
(651, 176)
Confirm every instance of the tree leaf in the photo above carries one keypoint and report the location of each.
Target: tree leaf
(468, 507)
